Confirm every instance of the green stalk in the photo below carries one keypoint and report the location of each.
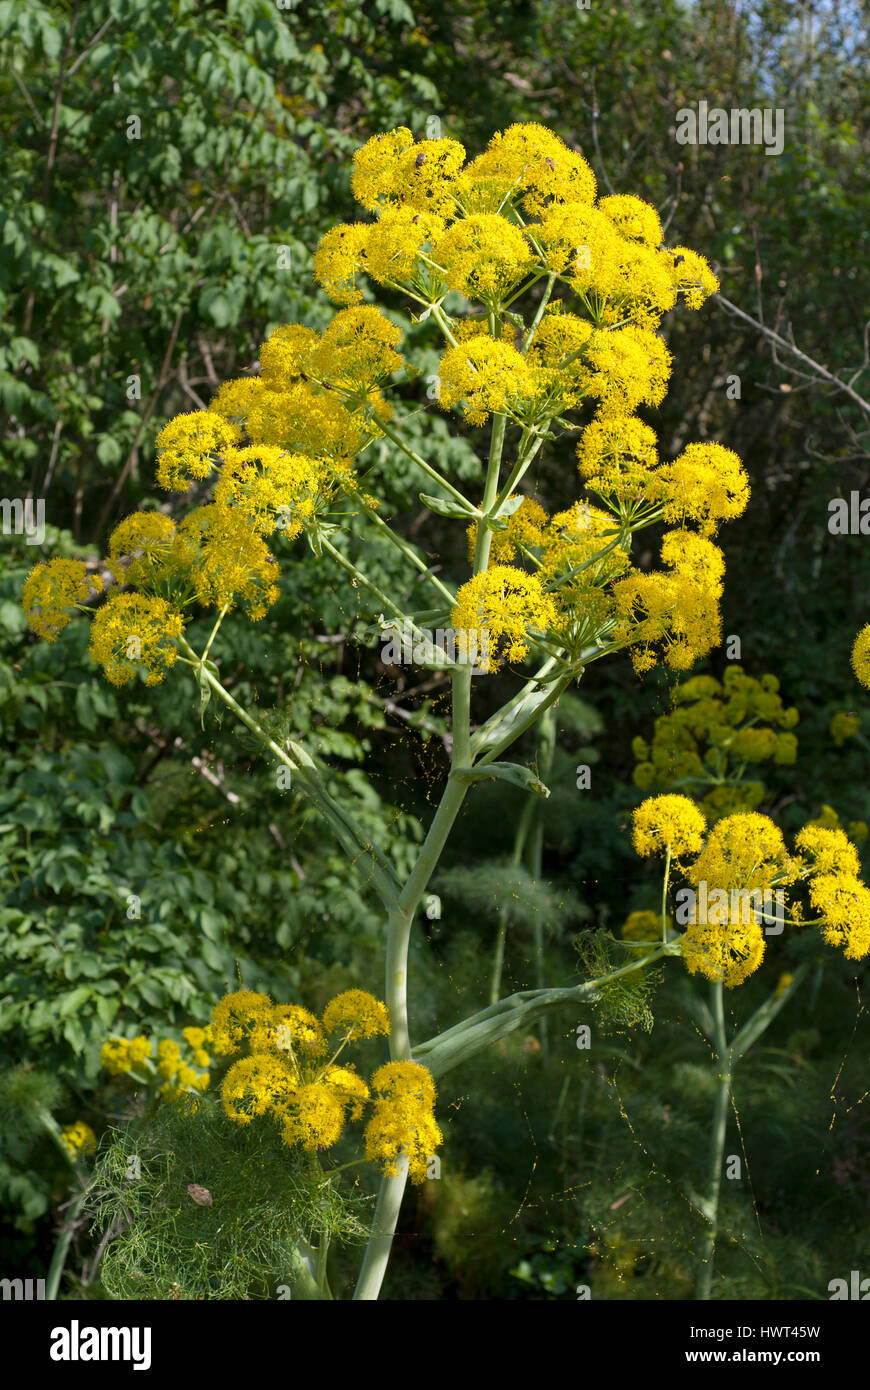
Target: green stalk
(721, 1105)
(407, 550)
(349, 834)
(545, 299)
(490, 492)
(727, 1059)
(399, 923)
(523, 826)
(464, 1040)
(546, 750)
(665, 894)
(427, 468)
(61, 1249)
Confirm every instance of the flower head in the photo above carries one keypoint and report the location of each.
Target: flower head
(234, 1017)
(261, 1084)
(668, 823)
(500, 605)
(139, 547)
(861, 656)
(51, 592)
(189, 447)
(356, 1014)
(78, 1138)
(135, 635)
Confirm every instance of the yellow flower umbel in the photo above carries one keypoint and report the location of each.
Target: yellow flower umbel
(728, 951)
(226, 561)
(52, 592)
(707, 484)
(617, 456)
(235, 1017)
(671, 823)
(135, 635)
(745, 852)
(484, 257)
(271, 487)
(174, 1077)
(120, 1055)
(78, 1139)
(497, 609)
(356, 1014)
(261, 1084)
(139, 548)
(844, 904)
(403, 1124)
(487, 376)
(528, 166)
(861, 656)
(844, 726)
(190, 446)
(732, 720)
(289, 1076)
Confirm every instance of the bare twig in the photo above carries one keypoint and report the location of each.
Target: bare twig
(816, 367)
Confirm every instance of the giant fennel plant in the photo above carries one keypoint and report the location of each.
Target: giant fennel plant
(548, 302)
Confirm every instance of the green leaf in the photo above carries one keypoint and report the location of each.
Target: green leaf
(446, 506)
(515, 773)
(73, 1000)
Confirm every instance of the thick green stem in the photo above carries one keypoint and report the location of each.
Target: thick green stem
(399, 924)
(490, 492)
(665, 894)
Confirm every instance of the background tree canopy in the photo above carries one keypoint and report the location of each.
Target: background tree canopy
(167, 170)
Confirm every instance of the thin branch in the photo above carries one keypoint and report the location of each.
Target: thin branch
(783, 343)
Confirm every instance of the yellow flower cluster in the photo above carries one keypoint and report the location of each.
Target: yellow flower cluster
(291, 1073)
(675, 614)
(728, 951)
(706, 484)
(844, 726)
(861, 656)
(668, 823)
(501, 607)
(403, 1123)
(488, 376)
(51, 592)
(132, 635)
(742, 859)
(78, 1138)
(727, 718)
(164, 1063)
(190, 446)
(275, 449)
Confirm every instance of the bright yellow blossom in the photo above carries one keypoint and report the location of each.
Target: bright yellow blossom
(51, 592)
